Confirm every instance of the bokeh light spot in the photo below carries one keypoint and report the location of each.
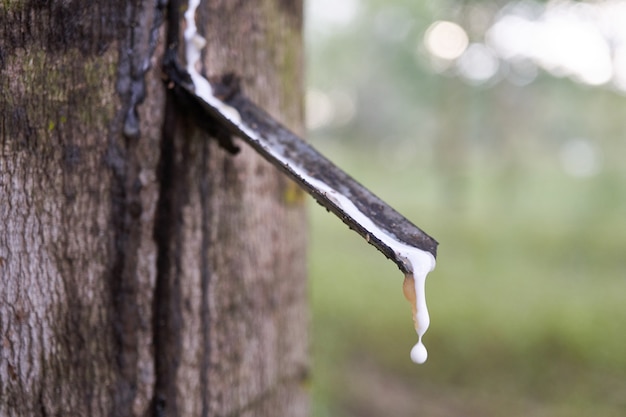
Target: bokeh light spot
(446, 40)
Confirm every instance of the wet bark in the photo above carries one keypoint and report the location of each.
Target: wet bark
(143, 270)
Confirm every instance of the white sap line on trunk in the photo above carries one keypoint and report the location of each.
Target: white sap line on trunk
(193, 47)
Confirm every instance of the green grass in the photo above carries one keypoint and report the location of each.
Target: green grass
(526, 303)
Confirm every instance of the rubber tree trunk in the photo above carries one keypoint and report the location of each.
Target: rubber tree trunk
(144, 270)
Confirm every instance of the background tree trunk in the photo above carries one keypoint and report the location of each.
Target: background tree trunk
(145, 271)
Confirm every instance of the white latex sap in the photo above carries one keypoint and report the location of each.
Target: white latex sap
(421, 262)
(193, 46)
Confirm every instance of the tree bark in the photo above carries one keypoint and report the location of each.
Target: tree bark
(145, 271)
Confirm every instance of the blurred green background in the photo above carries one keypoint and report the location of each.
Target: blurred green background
(499, 129)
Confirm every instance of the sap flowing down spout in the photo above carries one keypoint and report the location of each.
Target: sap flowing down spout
(221, 101)
(381, 225)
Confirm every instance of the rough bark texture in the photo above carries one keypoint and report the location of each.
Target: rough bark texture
(143, 270)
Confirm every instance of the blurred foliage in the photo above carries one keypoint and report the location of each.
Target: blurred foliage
(524, 187)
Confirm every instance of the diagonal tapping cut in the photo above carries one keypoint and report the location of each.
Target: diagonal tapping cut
(220, 106)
